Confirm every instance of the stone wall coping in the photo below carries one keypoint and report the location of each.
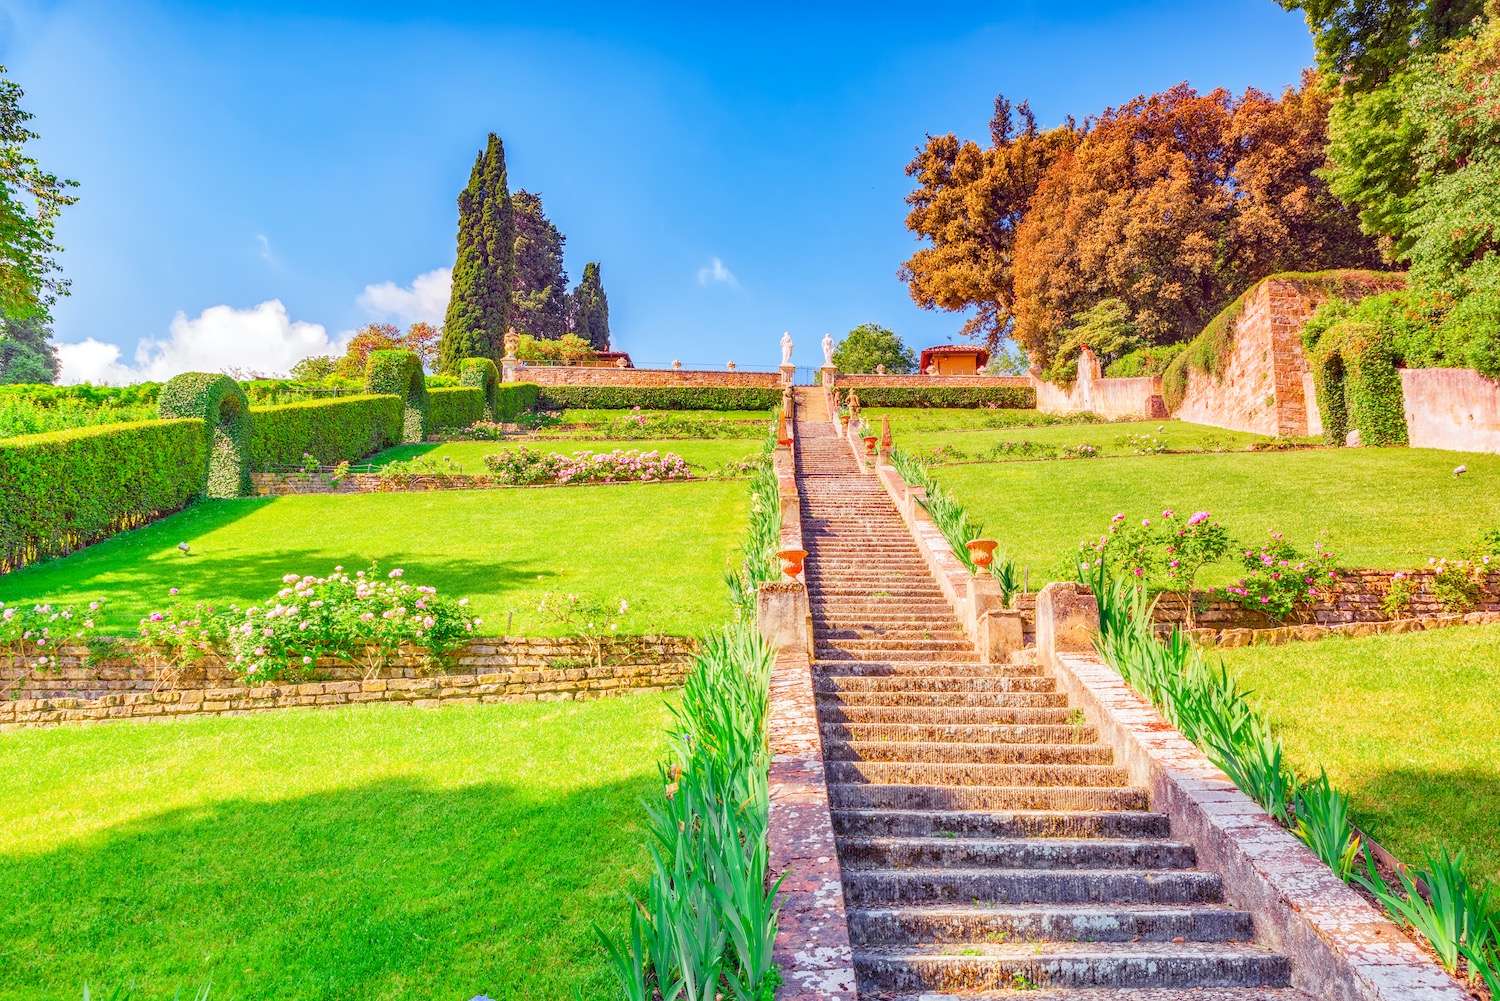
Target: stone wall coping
(1340, 947)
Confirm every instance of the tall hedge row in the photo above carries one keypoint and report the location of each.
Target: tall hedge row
(399, 373)
(454, 407)
(658, 397)
(66, 489)
(482, 374)
(341, 429)
(218, 402)
(515, 398)
(1009, 397)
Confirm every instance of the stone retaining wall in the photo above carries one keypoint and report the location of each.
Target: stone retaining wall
(1451, 408)
(1092, 393)
(131, 672)
(284, 484)
(439, 690)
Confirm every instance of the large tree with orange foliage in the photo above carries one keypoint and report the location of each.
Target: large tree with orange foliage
(1172, 204)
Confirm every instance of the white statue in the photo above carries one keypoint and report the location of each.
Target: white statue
(828, 350)
(786, 348)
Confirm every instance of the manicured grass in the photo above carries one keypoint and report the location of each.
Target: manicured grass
(605, 416)
(1109, 439)
(469, 455)
(1407, 724)
(663, 547)
(1384, 508)
(912, 419)
(378, 852)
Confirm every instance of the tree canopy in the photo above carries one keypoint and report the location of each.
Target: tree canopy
(869, 345)
(1363, 43)
(30, 199)
(588, 309)
(539, 301)
(479, 310)
(26, 352)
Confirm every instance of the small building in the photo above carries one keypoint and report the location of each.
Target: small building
(954, 359)
(615, 359)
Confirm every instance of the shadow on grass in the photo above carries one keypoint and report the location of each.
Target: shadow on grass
(1412, 810)
(390, 890)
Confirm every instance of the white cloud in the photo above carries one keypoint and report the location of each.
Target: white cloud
(265, 247)
(262, 339)
(424, 301)
(715, 273)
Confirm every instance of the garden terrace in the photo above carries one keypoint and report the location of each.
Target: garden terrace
(347, 862)
(1113, 438)
(606, 543)
(1409, 794)
(468, 456)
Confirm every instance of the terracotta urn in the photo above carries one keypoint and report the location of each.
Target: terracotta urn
(844, 420)
(870, 442)
(791, 560)
(983, 553)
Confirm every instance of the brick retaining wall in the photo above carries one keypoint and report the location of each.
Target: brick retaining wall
(842, 381)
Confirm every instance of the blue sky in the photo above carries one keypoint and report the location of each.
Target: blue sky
(259, 179)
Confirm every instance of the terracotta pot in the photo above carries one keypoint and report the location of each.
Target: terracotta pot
(870, 441)
(792, 561)
(983, 553)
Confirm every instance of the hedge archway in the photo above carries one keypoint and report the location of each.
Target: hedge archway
(399, 373)
(221, 404)
(1356, 373)
(482, 373)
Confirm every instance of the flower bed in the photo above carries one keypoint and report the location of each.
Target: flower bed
(525, 467)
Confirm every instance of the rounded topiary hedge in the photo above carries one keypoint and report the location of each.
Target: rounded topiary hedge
(399, 373)
(221, 404)
(482, 373)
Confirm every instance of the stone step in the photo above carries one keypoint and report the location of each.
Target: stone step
(934, 683)
(833, 713)
(917, 669)
(954, 884)
(965, 735)
(896, 631)
(1102, 922)
(1074, 964)
(1009, 824)
(871, 796)
(1014, 853)
(945, 700)
(955, 753)
(971, 774)
(880, 656)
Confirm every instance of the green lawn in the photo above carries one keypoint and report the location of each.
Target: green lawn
(1109, 439)
(469, 455)
(912, 419)
(1385, 508)
(663, 547)
(1407, 724)
(372, 852)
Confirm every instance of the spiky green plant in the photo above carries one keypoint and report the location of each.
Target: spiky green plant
(1322, 824)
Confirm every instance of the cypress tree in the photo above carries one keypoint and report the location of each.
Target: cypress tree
(589, 309)
(485, 269)
(539, 300)
(26, 351)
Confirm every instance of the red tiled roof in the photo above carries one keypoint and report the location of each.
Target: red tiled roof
(981, 360)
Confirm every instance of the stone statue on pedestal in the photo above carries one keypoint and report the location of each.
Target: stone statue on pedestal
(786, 348)
(828, 350)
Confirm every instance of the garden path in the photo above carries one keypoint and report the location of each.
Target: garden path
(987, 840)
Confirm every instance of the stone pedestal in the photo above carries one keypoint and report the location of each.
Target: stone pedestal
(1067, 618)
(788, 375)
(998, 634)
(829, 372)
(508, 370)
(783, 614)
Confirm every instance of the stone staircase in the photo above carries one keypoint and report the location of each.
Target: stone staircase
(989, 844)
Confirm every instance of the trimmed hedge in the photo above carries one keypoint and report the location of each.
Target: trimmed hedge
(340, 429)
(220, 403)
(64, 490)
(1008, 397)
(658, 398)
(512, 399)
(399, 373)
(482, 374)
(454, 406)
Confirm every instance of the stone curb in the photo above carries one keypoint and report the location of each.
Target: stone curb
(1340, 947)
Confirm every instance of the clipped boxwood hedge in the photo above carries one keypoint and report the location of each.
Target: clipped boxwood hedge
(340, 429)
(64, 490)
(221, 405)
(658, 397)
(399, 373)
(1009, 397)
(454, 406)
(482, 374)
(512, 399)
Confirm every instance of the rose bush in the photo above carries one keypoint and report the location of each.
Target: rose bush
(35, 632)
(525, 466)
(1279, 576)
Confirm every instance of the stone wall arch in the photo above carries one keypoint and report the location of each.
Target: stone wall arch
(221, 404)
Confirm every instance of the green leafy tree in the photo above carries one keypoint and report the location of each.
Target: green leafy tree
(588, 309)
(484, 273)
(30, 199)
(1105, 328)
(869, 345)
(539, 302)
(26, 352)
(1363, 43)
(315, 368)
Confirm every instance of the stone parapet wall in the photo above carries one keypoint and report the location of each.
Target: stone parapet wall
(842, 381)
(560, 375)
(75, 674)
(432, 692)
(1451, 408)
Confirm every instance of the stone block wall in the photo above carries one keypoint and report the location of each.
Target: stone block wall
(567, 375)
(1451, 408)
(1092, 393)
